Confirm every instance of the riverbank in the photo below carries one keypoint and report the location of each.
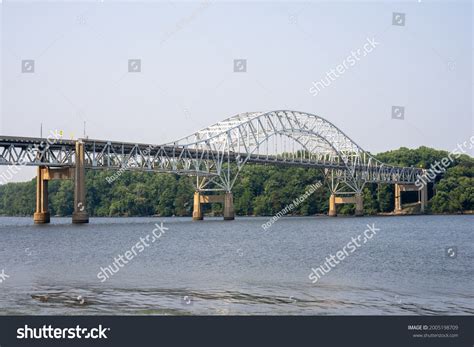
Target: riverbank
(379, 214)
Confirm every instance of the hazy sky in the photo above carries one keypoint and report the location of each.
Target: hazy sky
(187, 79)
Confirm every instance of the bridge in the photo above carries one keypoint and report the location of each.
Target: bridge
(215, 156)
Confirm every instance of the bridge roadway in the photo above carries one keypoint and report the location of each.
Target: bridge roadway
(102, 154)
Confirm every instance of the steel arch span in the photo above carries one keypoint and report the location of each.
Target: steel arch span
(286, 138)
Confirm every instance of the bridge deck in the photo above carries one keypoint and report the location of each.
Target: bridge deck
(102, 154)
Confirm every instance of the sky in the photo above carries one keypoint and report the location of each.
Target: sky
(420, 68)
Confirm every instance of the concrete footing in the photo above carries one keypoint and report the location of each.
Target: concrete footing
(41, 217)
(80, 217)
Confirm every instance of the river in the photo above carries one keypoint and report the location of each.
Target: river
(411, 265)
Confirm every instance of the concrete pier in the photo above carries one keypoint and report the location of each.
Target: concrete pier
(359, 205)
(80, 214)
(41, 215)
(398, 199)
(332, 206)
(422, 196)
(227, 200)
(229, 213)
(197, 211)
(357, 200)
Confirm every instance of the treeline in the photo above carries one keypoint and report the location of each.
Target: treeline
(259, 190)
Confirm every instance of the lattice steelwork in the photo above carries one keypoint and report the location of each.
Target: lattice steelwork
(221, 150)
(35, 151)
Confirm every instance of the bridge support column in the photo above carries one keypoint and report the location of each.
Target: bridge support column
(229, 213)
(356, 199)
(359, 204)
(80, 214)
(41, 215)
(423, 198)
(332, 206)
(197, 211)
(398, 199)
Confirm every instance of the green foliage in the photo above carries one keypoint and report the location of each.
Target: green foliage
(420, 157)
(259, 190)
(18, 199)
(385, 198)
(455, 191)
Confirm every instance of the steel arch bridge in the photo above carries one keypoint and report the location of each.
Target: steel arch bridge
(285, 138)
(217, 154)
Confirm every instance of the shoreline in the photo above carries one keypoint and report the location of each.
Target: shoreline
(380, 214)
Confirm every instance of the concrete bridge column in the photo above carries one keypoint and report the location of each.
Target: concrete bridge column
(80, 214)
(229, 213)
(423, 198)
(356, 199)
(332, 206)
(398, 198)
(197, 211)
(359, 204)
(41, 215)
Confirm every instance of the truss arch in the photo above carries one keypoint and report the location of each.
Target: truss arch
(244, 136)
